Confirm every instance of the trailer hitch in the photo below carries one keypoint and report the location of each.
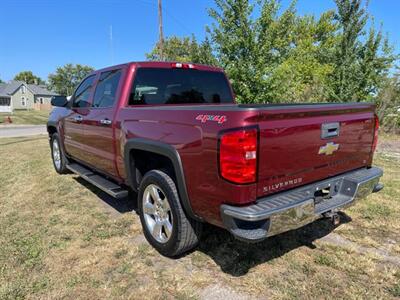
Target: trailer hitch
(334, 216)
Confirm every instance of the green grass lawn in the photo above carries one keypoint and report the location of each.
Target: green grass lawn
(26, 117)
(62, 238)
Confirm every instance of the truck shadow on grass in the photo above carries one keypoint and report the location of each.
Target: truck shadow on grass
(233, 256)
(237, 258)
(121, 206)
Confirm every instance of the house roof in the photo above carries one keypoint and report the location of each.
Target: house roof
(40, 90)
(2, 87)
(7, 89)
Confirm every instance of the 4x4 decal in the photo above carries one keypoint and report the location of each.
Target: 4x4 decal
(214, 118)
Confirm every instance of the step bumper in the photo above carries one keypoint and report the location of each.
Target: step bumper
(300, 206)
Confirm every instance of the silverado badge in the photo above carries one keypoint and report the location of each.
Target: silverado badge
(328, 149)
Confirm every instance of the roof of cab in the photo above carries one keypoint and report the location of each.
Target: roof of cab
(160, 64)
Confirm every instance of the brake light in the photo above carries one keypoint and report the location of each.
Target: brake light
(238, 155)
(376, 129)
(182, 66)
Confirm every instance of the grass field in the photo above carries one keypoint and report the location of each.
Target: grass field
(62, 238)
(26, 117)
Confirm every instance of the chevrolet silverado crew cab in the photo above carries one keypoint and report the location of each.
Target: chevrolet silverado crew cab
(172, 133)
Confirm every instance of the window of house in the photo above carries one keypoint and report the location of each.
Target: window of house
(4, 101)
(106, 89)
(82, 93)
(41, 100)
(23, 89)
(23, 101)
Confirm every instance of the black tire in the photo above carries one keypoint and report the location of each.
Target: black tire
(61, 167)
(185, 231)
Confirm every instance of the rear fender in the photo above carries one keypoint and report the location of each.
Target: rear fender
(165, 150)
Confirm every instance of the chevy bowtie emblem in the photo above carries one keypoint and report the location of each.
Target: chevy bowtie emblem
(328, 149)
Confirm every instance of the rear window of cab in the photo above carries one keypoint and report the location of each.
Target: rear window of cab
(179, 86)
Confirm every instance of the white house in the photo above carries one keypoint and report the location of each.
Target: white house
(19, 95)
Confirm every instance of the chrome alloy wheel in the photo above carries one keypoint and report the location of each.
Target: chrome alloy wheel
(157, 213)
(56, 154)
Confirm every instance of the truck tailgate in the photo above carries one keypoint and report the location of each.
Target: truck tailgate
(302, 144)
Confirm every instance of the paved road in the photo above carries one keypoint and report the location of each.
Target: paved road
(19, 131)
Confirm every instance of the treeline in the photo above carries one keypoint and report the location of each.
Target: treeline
(63, 81)
(272, 54)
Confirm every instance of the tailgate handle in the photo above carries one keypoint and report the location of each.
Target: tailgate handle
(330, 130)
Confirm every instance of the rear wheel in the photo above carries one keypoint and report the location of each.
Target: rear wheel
(165, 224)
(57, 154)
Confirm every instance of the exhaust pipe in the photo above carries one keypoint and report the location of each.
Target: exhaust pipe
(377, 187)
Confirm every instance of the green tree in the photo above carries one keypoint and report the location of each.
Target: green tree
(233, 34)
(28, 77)
(303, 74)
(376, 59)
(388, 103)
(360, 66)
(352, 18)
(67, 77)
(185, 49)
(275, 56)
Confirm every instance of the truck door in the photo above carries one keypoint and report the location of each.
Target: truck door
(98, 123)
(73, 130)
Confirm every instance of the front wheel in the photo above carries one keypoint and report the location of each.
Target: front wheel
(57, 154)
(165, 224)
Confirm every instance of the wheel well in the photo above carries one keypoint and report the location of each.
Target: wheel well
(143, 161)
(51, 130)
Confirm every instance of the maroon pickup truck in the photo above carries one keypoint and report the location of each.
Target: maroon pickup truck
(172, 133)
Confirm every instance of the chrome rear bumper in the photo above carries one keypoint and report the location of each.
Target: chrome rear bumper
(295, 208)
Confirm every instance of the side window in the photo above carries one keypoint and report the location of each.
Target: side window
(82, 93)
(106, 89)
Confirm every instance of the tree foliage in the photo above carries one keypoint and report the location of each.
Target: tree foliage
(66, 78)
(185, 49)
(273, 54)
(28, 77)
(362, 59)
(388, 102)
(277, 55)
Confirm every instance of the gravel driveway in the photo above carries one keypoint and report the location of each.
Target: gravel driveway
(22, 130)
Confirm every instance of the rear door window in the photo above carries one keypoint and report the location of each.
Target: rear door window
(179, 86)
(106, 89)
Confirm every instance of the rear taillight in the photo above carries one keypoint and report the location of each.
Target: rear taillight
(376, 129)
(238, 155)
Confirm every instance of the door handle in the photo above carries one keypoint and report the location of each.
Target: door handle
(78, 119)
(329, 130)
(105, 122)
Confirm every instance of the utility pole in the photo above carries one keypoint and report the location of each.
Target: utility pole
(160, 27)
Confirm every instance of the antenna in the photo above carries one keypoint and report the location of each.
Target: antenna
(160, 27)
(111, 45)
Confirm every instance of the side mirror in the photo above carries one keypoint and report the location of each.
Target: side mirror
(60, 101)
